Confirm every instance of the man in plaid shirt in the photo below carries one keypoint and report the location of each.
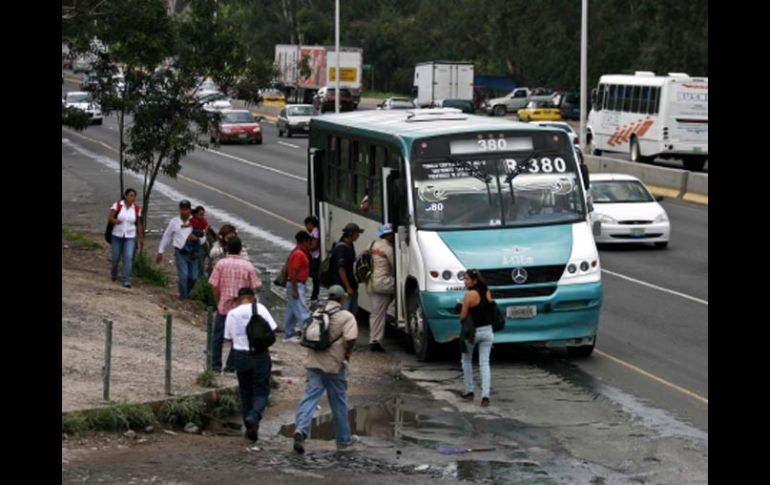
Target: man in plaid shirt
(229, 275)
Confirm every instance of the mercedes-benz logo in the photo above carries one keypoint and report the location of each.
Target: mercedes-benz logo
(519, 275)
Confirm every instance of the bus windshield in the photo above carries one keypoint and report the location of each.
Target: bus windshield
(462, 193)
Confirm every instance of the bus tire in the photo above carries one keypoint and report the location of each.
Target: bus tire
(419, 330)
(636, 152)
(592, 150)
(582, 351)
(694, 164)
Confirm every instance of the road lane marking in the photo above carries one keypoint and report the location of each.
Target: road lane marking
(174, 194)
(654, 377)
(257, 165)
(656, 287)
(288, 144)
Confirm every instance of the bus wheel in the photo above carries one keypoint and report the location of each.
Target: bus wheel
(592, 150)
(694, 163)
(636, 154)
(422, 338)
(582, 351)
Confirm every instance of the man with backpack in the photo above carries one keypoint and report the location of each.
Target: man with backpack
(250, 327)
(330, 336)
(382, 286)
(343, 259)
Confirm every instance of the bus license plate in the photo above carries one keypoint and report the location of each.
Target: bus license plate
(528, 311)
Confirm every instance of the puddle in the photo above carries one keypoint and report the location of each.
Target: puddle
(384, 420)
(501, 472)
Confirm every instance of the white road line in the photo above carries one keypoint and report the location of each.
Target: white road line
(659, 288)
(258, 165)
(242, 225)
(288, 144)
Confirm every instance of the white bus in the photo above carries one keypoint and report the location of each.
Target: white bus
(651, 116)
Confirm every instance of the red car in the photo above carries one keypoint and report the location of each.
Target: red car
(237, 125)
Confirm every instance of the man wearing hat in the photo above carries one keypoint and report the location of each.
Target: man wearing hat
(327, 371)
(252, 368)
(342, 261)
(382, 289)
(177, 235)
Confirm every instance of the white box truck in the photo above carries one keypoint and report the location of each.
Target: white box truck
(438, 80)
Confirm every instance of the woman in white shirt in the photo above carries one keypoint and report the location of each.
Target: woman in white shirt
(127, 234)
(219, 249)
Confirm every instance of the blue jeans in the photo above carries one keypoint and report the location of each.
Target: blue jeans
(253, 373)
(336, 387)
(218, 342)
(296, 310)
(351, 303)
(124, 246)
(484, 338)
(187, 271)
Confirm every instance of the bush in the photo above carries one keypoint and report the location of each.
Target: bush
(74, 424)
(182, 411)
(148, 272)
(229, 404)
(207, 378)
(203, 292)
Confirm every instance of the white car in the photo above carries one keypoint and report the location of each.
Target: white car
(295, 118)
(214, 100)
(82, 100)
(624, 211)
(563, 126)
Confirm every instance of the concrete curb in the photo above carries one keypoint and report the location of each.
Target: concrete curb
(668, 182)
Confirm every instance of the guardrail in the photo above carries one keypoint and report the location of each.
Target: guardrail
(671, 182)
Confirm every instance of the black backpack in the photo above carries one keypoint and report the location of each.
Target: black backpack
(258, 331)
(315, 330)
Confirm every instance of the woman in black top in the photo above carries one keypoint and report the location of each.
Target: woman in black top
(477, 304)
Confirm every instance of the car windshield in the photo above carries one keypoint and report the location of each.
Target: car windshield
(244, 117)
(456, 193)
(621, 191)
(79, 98)
(301, 111)
(401, 104)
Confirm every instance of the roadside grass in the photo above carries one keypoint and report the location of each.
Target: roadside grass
(202, 294)
(116, 417)
(207, 378)
(68, 234)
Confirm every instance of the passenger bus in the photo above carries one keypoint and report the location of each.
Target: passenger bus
(464, 192)
(651, 116)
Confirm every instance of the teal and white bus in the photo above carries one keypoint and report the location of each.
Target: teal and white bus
(464, 191)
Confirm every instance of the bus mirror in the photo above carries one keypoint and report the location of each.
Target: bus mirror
(584, 174)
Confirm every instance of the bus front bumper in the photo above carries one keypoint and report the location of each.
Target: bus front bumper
(569, 314)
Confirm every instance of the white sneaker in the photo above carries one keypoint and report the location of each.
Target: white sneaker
(294, 340)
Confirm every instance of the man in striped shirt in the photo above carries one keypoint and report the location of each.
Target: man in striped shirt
(229, 275)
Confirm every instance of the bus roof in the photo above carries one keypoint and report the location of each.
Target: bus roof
(644, 78)
(413, 124)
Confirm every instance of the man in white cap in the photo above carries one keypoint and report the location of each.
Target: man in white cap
(383, 285)
(327, 371)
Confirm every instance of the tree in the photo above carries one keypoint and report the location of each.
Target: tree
(162, 58)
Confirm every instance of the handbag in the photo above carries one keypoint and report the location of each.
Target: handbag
(498, 320)
(283, 276)
(467, 333)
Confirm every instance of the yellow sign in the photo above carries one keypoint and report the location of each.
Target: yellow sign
(349, 74)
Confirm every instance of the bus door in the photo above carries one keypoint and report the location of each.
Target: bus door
(394, 206)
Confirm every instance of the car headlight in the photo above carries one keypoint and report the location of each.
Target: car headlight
(662, 217)
(257, 129)
(604, 218)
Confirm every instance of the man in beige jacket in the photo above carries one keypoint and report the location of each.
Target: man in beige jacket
(382, 288)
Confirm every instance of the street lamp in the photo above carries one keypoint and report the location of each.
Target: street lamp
(337, 55)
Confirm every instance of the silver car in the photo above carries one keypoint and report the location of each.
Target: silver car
(82, 100)
(295, 118)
